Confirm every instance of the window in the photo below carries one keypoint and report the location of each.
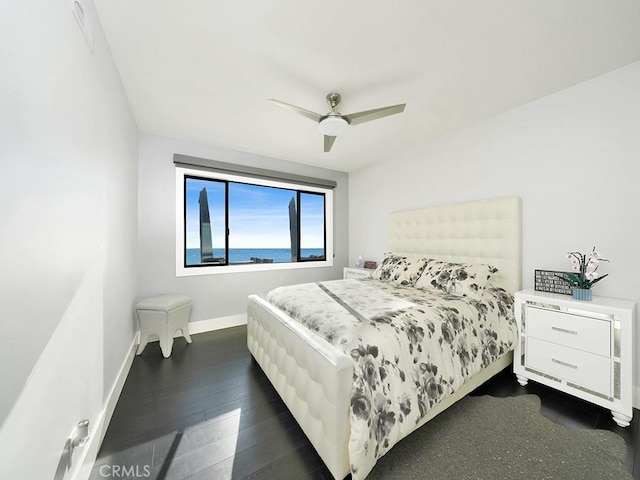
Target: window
(232, 223)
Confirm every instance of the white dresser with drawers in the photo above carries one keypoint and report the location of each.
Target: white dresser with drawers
(581, 348)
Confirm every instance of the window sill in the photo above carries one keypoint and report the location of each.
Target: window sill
(181, 271)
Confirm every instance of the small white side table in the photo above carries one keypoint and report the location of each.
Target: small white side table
(353, 272)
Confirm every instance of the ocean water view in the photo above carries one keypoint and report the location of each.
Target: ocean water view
(244, 255)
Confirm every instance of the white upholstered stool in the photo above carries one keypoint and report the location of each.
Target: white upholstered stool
(163, 316)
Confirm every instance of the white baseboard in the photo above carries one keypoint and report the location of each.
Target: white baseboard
(636, 397)
(212, 324)
(97, 435)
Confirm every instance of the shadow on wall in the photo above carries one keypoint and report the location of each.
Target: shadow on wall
(65, 461)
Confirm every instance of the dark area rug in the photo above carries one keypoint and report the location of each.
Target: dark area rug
(489, 438)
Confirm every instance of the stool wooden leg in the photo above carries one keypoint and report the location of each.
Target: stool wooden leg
(186, 335)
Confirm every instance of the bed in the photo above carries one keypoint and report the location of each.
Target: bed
(318, 379)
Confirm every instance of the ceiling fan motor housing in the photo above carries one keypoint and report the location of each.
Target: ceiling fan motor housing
(333, 99)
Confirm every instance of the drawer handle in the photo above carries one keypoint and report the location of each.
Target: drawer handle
(564, 330)
(564, 364)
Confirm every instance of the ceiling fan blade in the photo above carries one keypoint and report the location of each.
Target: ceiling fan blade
(305, 113)
(328, 142)
(368, 115)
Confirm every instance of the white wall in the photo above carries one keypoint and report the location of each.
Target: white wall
(221, 295)
(573, 158)
(68, 195)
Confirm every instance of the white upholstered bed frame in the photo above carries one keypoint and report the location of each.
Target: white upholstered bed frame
(314, 379)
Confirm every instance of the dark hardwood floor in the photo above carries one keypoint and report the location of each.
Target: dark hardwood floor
(208, 413)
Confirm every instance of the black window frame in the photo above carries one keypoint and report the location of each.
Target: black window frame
(298, 189)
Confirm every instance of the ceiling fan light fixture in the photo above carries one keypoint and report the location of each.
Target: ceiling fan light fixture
(332, 125)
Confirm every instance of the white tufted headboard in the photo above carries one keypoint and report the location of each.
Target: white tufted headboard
(487, 231)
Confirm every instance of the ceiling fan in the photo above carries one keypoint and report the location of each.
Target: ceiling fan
(332, 123)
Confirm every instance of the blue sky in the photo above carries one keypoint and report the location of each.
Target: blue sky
(258, 216)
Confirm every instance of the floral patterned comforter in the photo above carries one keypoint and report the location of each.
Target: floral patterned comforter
(411, 348)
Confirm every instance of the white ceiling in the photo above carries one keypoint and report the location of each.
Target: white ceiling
(202, 70)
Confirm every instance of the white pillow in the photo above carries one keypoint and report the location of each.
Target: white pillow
(399, 270)
(463, 279)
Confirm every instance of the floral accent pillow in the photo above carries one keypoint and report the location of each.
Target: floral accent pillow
(463, 279)
(399, 270)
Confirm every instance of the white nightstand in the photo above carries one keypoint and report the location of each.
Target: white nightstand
(581, 348)
(353, 272)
